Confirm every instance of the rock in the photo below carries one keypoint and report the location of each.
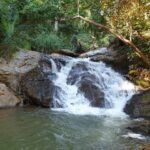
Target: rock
(67, 52)
(114, 62)
(22, 62)
(7, 98)
(77, 71)
(92, 92)
(139, 105)
(60, 60)
(87, 84)
(38, 87)
(100, 51)
(141, 127)
(111, 57)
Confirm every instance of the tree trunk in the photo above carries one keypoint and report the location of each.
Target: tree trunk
(56, 25)
(78, 7)
(138, 52)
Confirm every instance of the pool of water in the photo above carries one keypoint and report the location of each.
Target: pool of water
(42, 129)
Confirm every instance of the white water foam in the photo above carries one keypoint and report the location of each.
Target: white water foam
(54, 66)
(134, 135)
(117, 90)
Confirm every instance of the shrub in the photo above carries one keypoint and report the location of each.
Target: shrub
(47, 42)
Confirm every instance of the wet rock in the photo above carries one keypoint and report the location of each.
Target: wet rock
(111, 57)
(7, 98)
(29, 74)
(59, 60)
(92, 92)
(37, 85)
(77, 71)
(139, 105)
(87, 84)
(114, 62)
(142, 127)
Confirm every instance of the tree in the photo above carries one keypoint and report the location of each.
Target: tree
(23, 21)
(125, 19)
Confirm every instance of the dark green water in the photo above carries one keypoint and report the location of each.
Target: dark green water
(42, 129)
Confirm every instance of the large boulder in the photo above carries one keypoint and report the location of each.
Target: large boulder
(87, 84)
(22, 62)
(7, 98)
(38, 87)
(139, 105)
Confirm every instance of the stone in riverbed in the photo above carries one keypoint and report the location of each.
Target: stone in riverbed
(7, 98)
(142, 127)
(139, 105)
(92, 92)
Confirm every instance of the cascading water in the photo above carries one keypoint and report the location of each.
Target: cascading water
(117, 90)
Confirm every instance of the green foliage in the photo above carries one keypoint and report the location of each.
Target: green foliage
(29, 24)
(130, 19)
(47, 42)
(105, 38)
(8, 19)
(87, 40)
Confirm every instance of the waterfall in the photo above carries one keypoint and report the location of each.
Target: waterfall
(54, 66)
(117, 90)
